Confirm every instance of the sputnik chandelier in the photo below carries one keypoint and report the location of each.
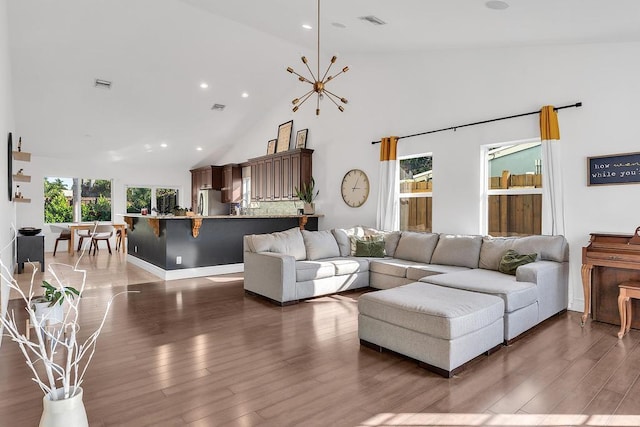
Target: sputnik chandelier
(318, 84)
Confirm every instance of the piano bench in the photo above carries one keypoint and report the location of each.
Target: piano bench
(628, 290)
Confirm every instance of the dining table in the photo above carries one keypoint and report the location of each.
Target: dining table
(90, 226)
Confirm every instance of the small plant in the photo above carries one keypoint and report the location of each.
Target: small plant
(305, 193)
(53, 295)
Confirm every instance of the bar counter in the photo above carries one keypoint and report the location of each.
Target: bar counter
(174, 247)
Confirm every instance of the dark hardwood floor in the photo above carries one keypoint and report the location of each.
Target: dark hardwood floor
(201, 353)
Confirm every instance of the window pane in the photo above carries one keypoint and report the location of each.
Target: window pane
(166, 200)
(515, 215)
(96, 199)
(415, 214)
(515, 166)
(58, 200)
(416, 175)
(138, 198)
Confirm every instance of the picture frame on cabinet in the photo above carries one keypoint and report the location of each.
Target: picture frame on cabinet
(301, 138)
(271, 147)
(284, 136)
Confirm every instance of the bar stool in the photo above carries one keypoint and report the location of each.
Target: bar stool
(64, 235)
(628, 290)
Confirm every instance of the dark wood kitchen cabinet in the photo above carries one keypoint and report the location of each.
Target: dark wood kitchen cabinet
(206, 177)
(275, 177)
(232, 183)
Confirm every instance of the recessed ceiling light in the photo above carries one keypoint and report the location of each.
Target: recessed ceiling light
(307, 27)
(147, 146)
(164, 145)
(496, 4)
(204, 85)
(245, 95)
(199, 148)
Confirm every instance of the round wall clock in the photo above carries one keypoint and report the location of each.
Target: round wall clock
(355, 188)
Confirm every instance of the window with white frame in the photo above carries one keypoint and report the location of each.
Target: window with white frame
(415, 192)
(163, 199)
(513, 188)
(77, 199)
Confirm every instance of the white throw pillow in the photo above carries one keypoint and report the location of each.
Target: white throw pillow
(320, 244)
(416, 246)
(287, 242)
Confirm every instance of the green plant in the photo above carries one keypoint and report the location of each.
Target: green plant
(305, 193)
(53, 295)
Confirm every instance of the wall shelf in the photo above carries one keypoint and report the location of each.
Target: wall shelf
(21, 200)
(22, 156)
(21, 178)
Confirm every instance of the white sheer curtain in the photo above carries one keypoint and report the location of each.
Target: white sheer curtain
(388, 216)
(552, 186)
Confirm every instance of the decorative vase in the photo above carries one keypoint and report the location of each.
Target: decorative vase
(51, 315)
(65, 412)
(309, 208)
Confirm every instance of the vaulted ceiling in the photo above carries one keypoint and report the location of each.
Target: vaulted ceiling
(157, 52)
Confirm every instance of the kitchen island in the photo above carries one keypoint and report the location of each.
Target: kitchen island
(177, 247)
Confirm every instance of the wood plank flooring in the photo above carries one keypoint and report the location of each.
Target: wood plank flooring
(199, 352)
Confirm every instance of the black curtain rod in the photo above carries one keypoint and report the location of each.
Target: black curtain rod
(576, 105)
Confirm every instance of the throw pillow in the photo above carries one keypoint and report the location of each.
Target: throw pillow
(511, 260)
(320, 244)
(370, 248)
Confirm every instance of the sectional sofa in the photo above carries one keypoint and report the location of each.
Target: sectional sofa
(441, 277)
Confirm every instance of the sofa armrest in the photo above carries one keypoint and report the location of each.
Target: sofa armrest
(271, 275)
(552, 279)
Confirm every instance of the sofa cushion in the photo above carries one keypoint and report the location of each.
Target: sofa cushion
(549, 248)
(391, 266)
(457, 249)
(416, 246)
(433, 310)
(287, 242)
(511, 260)
(515, 294)
(492, 250)
(370, 247)
(391, 239)
(343, 238)
(349, 265)
(417, 272)
(310, 270)
(320, 244)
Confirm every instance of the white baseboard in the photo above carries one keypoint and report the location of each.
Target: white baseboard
(185, 273)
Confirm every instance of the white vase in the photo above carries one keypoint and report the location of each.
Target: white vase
(65, 412)
(44, 313)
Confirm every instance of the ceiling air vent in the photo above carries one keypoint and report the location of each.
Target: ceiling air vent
(218, 107)
(373, 20)
(103, 84)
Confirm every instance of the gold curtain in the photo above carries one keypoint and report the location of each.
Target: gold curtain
(549, 128)
(389, 148)
(388, 213)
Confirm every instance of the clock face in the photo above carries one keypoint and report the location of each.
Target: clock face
(355, 188)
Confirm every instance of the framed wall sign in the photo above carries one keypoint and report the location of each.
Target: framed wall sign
(284, 136)
(301, 138)
(614, 169)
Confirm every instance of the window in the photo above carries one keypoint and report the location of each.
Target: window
(514, 189)
(76, 199)
(163, 199)
(415, 193)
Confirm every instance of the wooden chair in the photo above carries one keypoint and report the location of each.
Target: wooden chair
(121, 234)
(64, 235)
(100, 236)
(628, 290)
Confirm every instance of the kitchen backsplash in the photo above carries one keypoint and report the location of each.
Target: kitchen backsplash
(275, 208)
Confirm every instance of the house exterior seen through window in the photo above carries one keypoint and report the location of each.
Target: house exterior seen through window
(514, 189)
(415, 192)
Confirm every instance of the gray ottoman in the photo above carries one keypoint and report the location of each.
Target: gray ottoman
(441, 327)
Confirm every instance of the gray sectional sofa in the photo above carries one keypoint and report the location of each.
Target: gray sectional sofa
(289, 266)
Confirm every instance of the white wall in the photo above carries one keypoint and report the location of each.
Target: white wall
(6, 126)
(32, 214)
(408, 93)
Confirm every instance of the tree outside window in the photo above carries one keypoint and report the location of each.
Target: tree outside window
(76, 200)
(138, 198)
(58, 200)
